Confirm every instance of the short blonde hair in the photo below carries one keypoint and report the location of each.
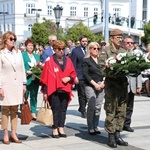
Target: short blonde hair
(90, 46)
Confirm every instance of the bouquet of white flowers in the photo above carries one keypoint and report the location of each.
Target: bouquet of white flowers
(130, 63)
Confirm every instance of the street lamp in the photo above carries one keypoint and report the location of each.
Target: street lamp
(4, 13)
(36, 10)
(58, 13)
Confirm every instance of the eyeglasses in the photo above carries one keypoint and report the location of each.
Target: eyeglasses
(118, 37)
(129, 43)
(12, 39)
(96, 48)
(59, 49)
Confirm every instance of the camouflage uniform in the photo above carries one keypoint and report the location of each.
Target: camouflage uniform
(115, 95)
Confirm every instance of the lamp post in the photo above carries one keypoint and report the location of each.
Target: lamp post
(36, 10)
(4, 13)
(58, 13)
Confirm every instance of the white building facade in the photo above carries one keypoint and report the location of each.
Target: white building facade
(17, 15)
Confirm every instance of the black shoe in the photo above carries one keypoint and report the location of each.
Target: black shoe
(119, 140)
(129, 129)
(62, 135)
(55, 136)
(111, 140)
(83, 114)
(34, 119)
(97, 131)
(92, 132)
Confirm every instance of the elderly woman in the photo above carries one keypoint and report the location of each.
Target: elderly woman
(58, 76)
(12, 84)
(94, 87)
(31, 59)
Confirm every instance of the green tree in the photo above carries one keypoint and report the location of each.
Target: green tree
(41, 31)
(76, 31)
(146, 38)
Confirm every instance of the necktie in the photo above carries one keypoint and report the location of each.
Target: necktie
(84, 49)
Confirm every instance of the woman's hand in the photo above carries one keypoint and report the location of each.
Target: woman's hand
(1, 93)
(45, 97)
(24, 89)
(97, 86)
(76, 81)
(29, 72)
(102, 84)
(65, 79)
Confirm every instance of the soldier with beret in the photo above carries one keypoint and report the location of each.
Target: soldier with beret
(115, 93)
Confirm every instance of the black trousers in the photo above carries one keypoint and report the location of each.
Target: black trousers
(59, 102)
(81, 96)
(129, 109)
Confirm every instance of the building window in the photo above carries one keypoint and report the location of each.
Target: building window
(72, 11)
(145, 4)
(3, 7)
(29, 27)
(8, 27)
(95, 11)
(8, 8)
(144, 13)
(29, 6)
(85, 11)
(12, 8)
(117, 11)
(49, 10)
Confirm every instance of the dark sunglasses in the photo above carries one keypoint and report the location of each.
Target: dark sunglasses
(59, 49)
(12, 39)
(96, 48)
(129, 42)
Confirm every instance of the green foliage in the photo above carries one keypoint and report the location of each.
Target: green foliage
(36, 71)
(146, 38)
(41, 31)
(76, 31)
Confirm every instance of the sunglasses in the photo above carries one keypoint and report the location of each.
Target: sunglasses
(12, 39)
(129, 43)
(59, 49)
(96, 48)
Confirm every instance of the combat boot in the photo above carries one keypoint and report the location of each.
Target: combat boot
(111, 140)
(119, 140)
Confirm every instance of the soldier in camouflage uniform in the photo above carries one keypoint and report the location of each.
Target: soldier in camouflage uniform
(115, 93)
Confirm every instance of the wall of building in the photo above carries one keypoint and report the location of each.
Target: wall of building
(18, 23)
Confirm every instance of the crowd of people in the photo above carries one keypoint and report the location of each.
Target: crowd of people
(64, 66)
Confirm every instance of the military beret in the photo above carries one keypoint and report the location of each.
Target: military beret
(116, 32)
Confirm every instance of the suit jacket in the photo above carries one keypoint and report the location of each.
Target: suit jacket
(12, 77)
(46, 53)
(26, 65)
(134, 83)
(77, 56)
(91, 71)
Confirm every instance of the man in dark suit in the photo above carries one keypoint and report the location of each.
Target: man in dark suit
(77, 56)
(49, 51)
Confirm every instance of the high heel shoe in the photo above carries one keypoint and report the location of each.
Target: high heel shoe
(62, 135)
(6, 142)
(14, 140)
